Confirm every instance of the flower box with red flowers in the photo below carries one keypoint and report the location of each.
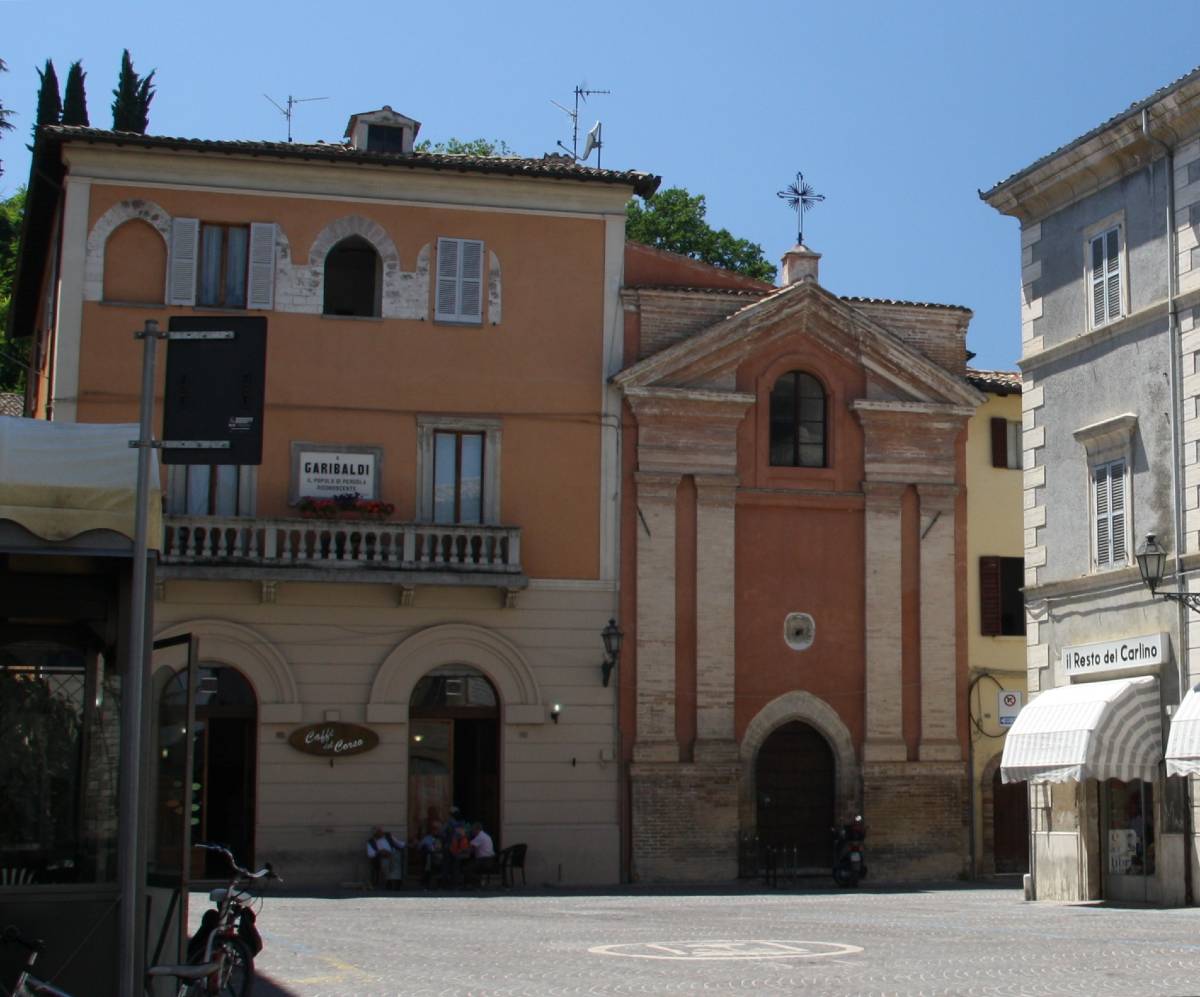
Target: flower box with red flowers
(348, 506)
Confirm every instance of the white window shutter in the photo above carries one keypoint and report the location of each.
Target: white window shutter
(471, 281)
(260, 292)
(1099, 311)
(1116, 477)
(1103, 539)
(181, 274)
(446, 306)
(1113, 274)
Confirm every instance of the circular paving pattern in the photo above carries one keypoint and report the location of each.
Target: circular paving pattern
(707, 951)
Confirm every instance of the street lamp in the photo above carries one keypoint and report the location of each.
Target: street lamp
(1152, 562)
(611, 635)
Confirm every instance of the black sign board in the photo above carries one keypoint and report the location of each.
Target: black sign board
(215, 390)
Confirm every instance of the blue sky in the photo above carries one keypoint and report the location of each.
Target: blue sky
(898, 113)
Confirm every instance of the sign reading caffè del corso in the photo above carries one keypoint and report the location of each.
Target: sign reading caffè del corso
(1128, 654)
(333, 739)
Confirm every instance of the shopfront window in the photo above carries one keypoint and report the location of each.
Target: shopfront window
(1130, 828)
(60, 712)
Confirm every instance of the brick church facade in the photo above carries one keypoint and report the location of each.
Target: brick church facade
(793, 571)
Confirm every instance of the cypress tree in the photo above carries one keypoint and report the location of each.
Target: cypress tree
(75, 97)
(131, 103)
(49, 106)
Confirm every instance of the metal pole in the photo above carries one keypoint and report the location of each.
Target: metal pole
(130, 868)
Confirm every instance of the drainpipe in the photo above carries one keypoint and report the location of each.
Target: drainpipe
(1176, 498)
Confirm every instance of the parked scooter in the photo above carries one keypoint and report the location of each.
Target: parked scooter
(849, 862)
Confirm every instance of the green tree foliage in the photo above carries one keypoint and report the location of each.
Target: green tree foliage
(131, 98)
(673, 220)
(74, 110)
(5, 124)
(12, 367)
(49, 105)
(467, 147)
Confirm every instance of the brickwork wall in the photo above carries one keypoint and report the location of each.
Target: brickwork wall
(917, 816)
(668, 318)
(685, 818)
(940, 334)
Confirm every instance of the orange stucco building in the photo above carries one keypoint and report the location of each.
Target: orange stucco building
(441, 331)
(794, 557)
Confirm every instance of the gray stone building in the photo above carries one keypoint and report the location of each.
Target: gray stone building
(1110, 364)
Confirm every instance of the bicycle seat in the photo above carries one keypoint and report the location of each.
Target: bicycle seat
(189, 972)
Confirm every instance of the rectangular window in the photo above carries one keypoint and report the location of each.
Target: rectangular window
(224, 259)
(1002, 604)
(457, 477)
(1106, 277)
(1108, 504)
(209, 490)
(1006, 444)
(459, 281)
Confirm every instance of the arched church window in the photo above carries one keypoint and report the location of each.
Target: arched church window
(353, 279)
(798, 421)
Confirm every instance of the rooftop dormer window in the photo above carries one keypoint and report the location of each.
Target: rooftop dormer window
(382, 131)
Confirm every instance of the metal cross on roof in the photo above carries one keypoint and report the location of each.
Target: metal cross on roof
(800, 196)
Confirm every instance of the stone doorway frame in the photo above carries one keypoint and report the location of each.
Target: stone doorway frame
(807, 709)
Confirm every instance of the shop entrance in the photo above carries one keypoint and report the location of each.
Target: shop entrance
(454, 750)
(1010, 826)
(794, 781)
(224, 756)
(1127, 840)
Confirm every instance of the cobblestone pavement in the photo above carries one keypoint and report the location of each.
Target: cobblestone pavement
(946, 941)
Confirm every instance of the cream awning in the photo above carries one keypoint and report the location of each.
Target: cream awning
(1091, 730)
(61, 479)
(1183, 746)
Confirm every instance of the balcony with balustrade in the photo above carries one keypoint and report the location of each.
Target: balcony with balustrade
(358, 550)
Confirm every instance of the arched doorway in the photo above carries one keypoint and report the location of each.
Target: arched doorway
(1010, 826)
(795, 790)
(224, 762)
(454, 749)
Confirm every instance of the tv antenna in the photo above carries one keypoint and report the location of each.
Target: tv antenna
(288, 111)
(800, 197)
(592, 139)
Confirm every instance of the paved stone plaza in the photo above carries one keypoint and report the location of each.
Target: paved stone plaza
(944, 941)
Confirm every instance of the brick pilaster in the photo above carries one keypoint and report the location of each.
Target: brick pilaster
(884, 739)
(656, 740)
(715, 617)
(938, 646)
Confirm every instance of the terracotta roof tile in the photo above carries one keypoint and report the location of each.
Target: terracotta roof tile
(995, 382)
(553, 166)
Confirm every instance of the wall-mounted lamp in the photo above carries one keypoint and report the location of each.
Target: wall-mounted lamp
(1152, 562)
(612, 636)
(555, 710)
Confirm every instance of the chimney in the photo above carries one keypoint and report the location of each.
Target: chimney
(800, 263)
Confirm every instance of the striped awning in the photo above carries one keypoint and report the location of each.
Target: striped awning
(1183, 746)
(1091, 730)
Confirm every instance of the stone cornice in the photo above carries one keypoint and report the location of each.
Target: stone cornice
(846, 329)
(871, 406)
(1093, 161)
(691, 403)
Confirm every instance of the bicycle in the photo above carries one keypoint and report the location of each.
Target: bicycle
(191, 977)
(227, 937)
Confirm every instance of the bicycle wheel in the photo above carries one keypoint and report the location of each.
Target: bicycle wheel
(237, 968)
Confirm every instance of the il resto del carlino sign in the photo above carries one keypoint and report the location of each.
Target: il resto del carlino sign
(1146, 653)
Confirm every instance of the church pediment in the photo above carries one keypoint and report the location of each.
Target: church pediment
(894, 370)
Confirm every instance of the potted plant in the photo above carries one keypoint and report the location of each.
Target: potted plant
(347, 506)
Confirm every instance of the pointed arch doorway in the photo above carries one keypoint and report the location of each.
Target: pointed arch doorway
(454, 749)
(796, 791)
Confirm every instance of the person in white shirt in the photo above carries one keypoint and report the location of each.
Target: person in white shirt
(381, 849)
(483, 852)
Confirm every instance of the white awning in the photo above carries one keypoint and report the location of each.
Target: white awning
(61, 479)
(1091, 730)
(1183, 746)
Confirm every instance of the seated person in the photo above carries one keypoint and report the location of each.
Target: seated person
(483, 852)
(382, 848)
(459, 854)
(429, 849)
